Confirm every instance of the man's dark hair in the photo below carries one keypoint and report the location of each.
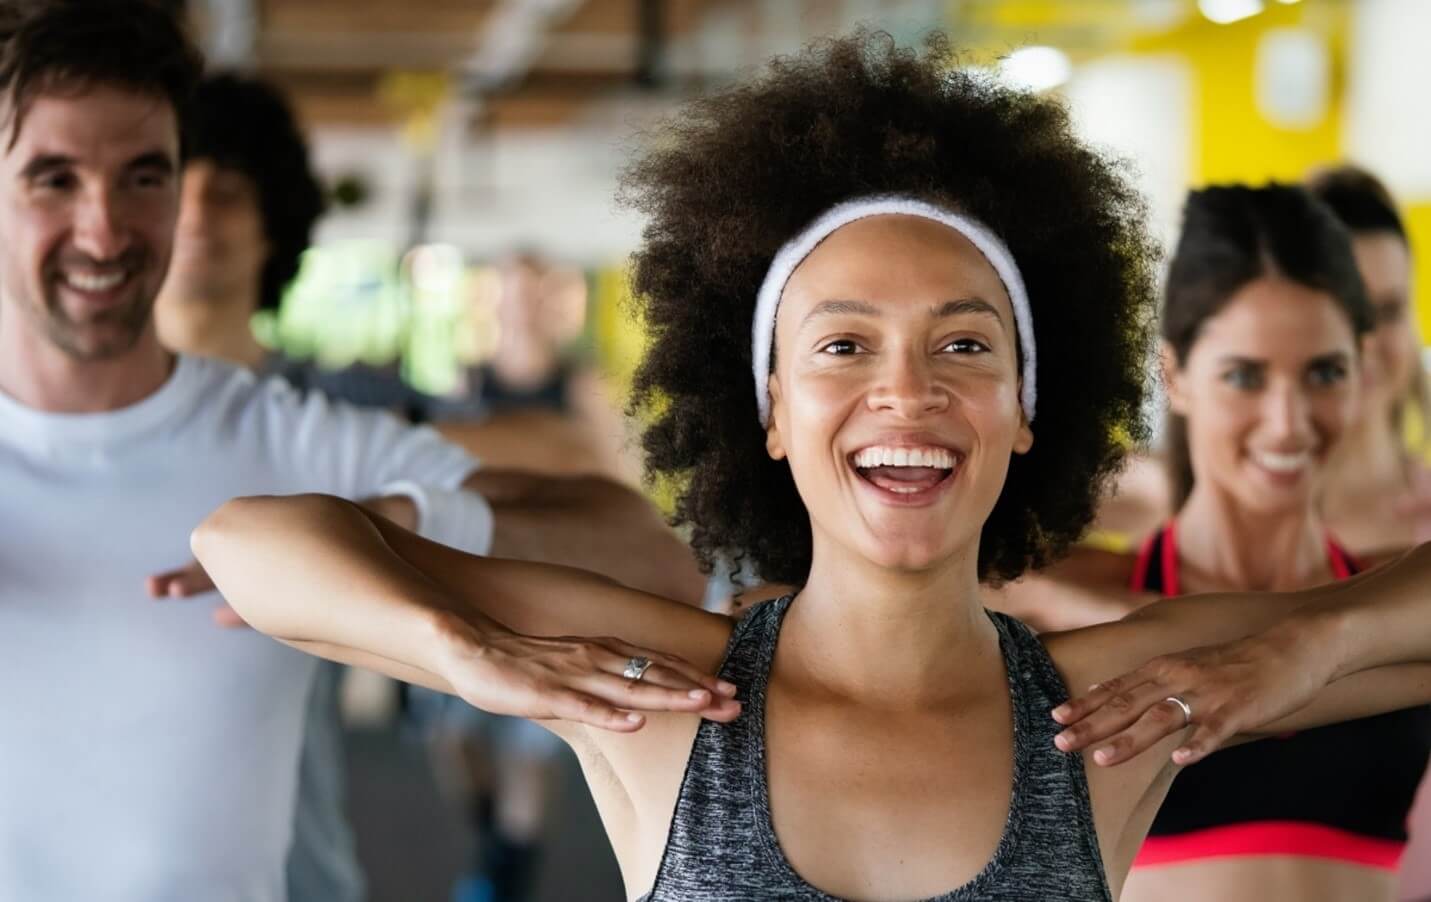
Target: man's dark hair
(72, 45)
(741, 171)
(245, 124)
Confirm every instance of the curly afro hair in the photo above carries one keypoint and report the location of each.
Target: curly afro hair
(740, 172)
(245, 124)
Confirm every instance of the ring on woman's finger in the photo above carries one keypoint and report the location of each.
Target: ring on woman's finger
(1182, 706)
(636, 668)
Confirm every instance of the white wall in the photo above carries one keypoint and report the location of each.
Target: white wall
(1388, 114)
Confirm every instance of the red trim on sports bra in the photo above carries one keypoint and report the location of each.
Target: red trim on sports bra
(1172, 586)
(1140, 566)
(1296, 838)
(1343, 565)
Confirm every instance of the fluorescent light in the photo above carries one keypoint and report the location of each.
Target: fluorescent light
(1225, 12)
(1036, 68)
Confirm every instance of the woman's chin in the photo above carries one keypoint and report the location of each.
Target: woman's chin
(909, 556)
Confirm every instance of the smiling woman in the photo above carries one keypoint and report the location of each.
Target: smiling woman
(946, 375)
(759, 165)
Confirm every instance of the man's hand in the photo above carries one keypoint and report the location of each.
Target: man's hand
(187, 582)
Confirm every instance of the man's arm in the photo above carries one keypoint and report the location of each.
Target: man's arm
(589, 523)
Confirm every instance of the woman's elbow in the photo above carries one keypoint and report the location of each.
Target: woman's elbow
(238, 519)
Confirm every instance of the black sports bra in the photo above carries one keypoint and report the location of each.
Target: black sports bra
(1340, 792)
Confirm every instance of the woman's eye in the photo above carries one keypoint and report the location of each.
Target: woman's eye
(840, 347)
(59, 181)
(1245, 380)
(1327, 374)
(150, 179)
(966, 346)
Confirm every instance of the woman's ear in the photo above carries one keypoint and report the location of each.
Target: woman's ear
(1172, 378)
(1023, 441)
(774, 445)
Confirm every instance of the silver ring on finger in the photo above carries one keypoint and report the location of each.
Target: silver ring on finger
(1182, 706)
(636, 668)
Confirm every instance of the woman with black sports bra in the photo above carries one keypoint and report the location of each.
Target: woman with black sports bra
(1261, 321)
(871, 279)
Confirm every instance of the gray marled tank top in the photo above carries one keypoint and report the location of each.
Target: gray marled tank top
(722, 846)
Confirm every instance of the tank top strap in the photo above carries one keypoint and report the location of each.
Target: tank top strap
(1051, 786)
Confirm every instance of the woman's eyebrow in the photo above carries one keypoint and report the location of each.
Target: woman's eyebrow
(1240, 360)
(831, 308)
(961, 307)
(965, 306)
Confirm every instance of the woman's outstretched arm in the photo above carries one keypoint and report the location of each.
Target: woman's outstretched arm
(326, 576)
(1250, 665)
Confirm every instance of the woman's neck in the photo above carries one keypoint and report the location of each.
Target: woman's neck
(901, 637)
(1223, 546)
(1369, 463)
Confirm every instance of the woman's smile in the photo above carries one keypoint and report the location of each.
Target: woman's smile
(913, 472)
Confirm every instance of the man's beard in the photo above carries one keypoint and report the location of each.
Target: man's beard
(118, 330)
(109, 333)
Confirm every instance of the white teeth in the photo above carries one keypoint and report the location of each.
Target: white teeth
(887, 456)
(1282, 463)
(95, 283)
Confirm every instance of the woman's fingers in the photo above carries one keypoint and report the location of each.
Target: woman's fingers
(679, 665)
(1209, 736)
(1125, 717)
(1153, 725)
(585, 681)
(652, 696)
(578, 707)
(1105, 709)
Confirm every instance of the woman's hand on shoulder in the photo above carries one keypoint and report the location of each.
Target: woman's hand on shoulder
(1233, 689)
(580, 680)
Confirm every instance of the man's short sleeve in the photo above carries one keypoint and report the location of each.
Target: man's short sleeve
(344, 450)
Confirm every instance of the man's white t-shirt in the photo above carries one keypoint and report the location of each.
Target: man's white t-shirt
(147, 755)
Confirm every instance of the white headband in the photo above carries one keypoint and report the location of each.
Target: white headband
(846, 212)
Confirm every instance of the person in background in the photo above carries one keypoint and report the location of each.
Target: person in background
(1262, 323)
(1378, 494)
(251, 201)
(1379, 489)
(529, 401)
(152, 756)
(531, 395)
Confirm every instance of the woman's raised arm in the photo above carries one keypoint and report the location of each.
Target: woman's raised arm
(322, 574)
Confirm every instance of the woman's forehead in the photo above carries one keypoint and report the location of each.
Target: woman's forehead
(891, 261)
(1277, 314)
